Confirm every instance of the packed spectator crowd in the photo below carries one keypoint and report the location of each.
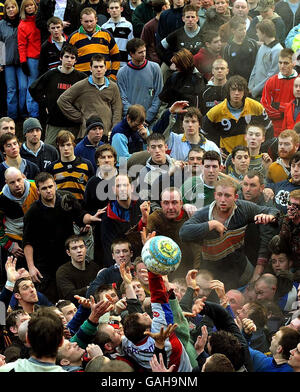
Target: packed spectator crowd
(126, 120)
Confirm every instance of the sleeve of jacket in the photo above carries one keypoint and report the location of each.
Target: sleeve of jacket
(79, 317)
(183, 331)
(158, 85)
(66, 103)
(22, 44)
(195, 229)
(267, 100)
(37, 89)
(123, 85)
(272, 70)
(267, 232)
(85, 334)
(120, 144)
(187, 300)
(116, 106)
(224, 321)
(162, 123)
(137, 22)
(115, 58)
(161, 29)
(159, 303)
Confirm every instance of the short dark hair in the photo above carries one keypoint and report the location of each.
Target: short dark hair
(54, 20)
(97, 57)
(17, 284)
(238, 148)
(226, 343)
(73, 238)
(155, 136)
(258, 314)
(295, 158)
(157, 5)
(211, 156)
(218, 363)
(102, 337)
(133, 45)
(188, 8)
(193, 112)
(210, 35)
(5, 138)
(43, 177)
(196, 149)
(102, 288)
(11, 319)
(255, 173)
(119, 241)
(45, 332)
(105, 147)
(256, 122)
(290, 338)
(69, 48)
(133, 330)
(267, 27)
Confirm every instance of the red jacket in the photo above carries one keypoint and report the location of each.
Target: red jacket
(288, 120)
(203, 61)
(276, 95)
(29, 39)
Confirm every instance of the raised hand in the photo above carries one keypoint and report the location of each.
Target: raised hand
(201, 340)
(160, 366)
(125, 273)
(145, 237)
(161, 336)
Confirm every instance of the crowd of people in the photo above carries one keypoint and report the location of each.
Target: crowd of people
(126, 120)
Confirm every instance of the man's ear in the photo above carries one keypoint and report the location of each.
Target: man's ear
(13, 329)
(17, 296)
(68, 252)
(108, 346)
(236, 196)
(279, 349)
(64, 362)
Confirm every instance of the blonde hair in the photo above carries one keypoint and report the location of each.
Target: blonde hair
(7, 2)
(22, 9)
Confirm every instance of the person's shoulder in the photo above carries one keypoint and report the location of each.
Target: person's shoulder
(64, 268)
(31, 165)
(49, 147)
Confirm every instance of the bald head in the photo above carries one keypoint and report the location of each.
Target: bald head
(11, 171)
(15, 181)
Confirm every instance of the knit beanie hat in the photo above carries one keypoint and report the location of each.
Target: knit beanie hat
(30, 124)
(92, 122)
